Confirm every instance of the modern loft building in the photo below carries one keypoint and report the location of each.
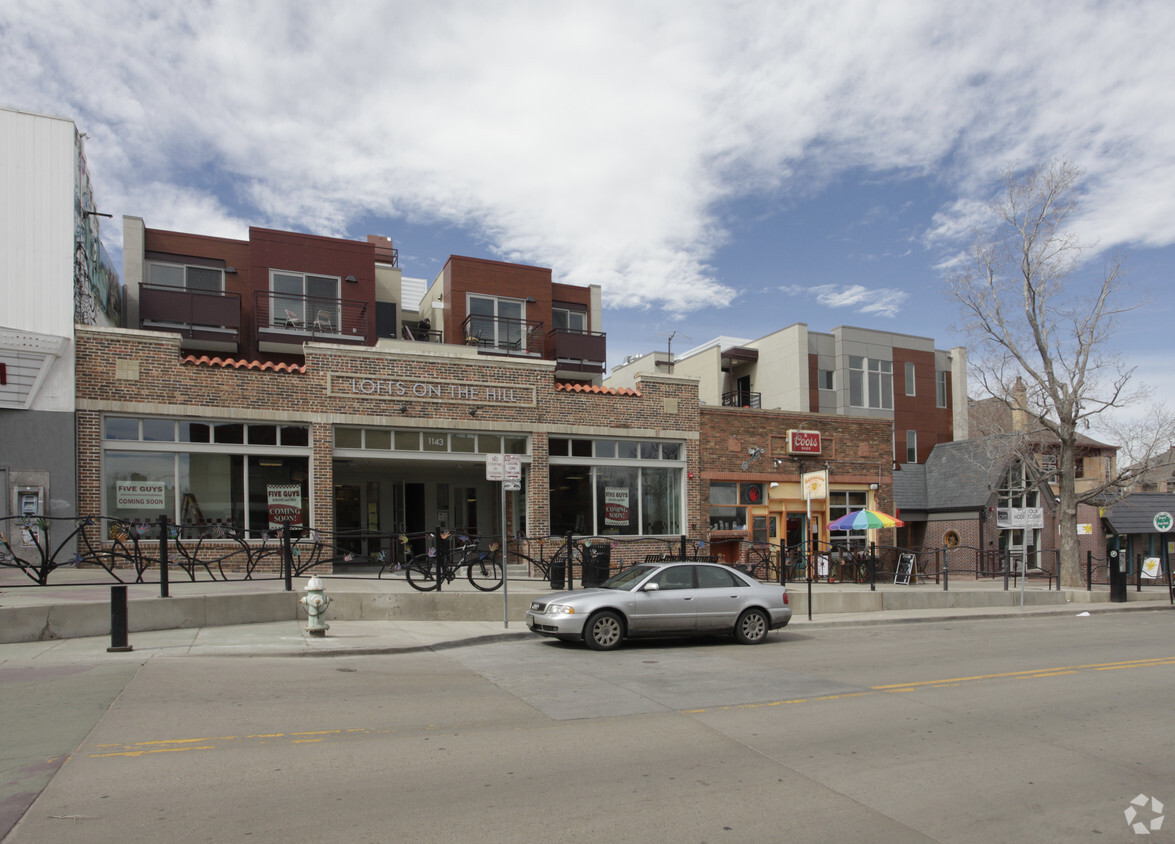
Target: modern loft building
(265, 297)
(299, 375)
(846, 372)
(54, 274)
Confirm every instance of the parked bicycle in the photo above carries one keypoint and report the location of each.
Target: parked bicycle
(427, 572)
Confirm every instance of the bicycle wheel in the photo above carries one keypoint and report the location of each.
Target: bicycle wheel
(420, 574)
(485, 573)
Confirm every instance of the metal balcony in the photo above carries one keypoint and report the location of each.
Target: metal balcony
(577, 353)
(204, 319)
(742, 398)
(285, 321)
(505, 335)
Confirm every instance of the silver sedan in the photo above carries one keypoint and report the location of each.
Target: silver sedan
(663, 599)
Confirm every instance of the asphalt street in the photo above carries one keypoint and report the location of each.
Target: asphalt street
(1039, 728)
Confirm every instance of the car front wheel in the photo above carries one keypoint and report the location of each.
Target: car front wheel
(604, 631)
(752, 627)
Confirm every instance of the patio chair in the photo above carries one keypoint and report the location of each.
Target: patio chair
(322, 322)
(293, 320)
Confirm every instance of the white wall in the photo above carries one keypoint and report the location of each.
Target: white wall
(36, 222)
(781, 373)
(37, 163)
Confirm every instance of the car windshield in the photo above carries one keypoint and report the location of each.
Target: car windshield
(628, 578)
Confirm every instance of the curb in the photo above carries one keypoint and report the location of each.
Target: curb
(826, 622)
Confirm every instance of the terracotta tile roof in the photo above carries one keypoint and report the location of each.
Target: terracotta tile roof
(592, 388)
(204, 360)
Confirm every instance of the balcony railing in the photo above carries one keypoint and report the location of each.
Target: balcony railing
(421, 335)
(504, 335)
(208, 319)
(578, 352)
(285, 320)
(741, 398)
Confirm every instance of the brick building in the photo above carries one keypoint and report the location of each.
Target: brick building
(291, 377)
(992, 506)
(754, 463)
(375, 440)
(849, 371)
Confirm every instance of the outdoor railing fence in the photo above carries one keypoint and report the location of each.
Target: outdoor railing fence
(131, 551)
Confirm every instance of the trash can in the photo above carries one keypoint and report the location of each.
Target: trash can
(558, 573)
(597, 562)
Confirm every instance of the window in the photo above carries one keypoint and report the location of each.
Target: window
(940, 388)
(870, 383)
(383, 439)
(910, 379)
(911, 446)
(305, 301)
(1017, 490)
(675, 577)
(1019, 547)
(824, 380)
(729, 502)
(569, 319)
(203, 475)
(716, 578)
(841, 504)
(611, 487)
(185, 276)
(497, 323)
(1079, 467)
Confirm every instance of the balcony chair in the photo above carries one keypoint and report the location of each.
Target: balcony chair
(323, 323)
(293, 320)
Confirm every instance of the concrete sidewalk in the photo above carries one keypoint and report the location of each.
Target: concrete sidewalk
(374, 637)
(386, 616)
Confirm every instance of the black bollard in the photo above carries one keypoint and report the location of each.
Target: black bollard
(118, 632)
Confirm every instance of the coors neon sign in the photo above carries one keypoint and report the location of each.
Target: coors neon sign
(803, 442)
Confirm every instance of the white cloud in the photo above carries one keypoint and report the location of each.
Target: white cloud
(882, 302)
(600, 139)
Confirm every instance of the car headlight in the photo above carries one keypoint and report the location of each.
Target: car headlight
(560, 609)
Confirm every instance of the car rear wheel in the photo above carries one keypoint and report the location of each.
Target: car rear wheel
(604, 631)
(752, 627)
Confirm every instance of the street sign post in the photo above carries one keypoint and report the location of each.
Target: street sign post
(507, 469)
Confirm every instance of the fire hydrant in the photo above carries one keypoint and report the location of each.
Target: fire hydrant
(315, 603)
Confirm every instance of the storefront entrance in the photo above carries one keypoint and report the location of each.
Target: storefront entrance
(377, 501)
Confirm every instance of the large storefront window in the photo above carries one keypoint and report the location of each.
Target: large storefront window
(205, 475)
(616, 487)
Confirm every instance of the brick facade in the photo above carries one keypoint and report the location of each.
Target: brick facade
(858, 452)
(145, 374)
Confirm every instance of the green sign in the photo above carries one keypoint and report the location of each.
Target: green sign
(1163, 522)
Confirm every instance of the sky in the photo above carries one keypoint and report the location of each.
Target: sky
(718, 168)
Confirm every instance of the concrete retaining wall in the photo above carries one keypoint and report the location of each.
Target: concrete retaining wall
(92, 618)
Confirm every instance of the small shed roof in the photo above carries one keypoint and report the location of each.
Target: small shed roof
(1136, 513)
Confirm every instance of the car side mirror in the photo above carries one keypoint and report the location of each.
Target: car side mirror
(651, 587)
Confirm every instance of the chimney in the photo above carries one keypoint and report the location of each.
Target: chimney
(1021, 419)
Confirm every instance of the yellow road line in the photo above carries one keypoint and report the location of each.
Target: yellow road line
(952, 682)
(1099, 666)
(146, 752)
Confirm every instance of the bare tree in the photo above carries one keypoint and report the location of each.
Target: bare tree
(1031, 320)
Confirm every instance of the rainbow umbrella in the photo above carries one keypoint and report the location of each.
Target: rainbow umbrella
(865, 520)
